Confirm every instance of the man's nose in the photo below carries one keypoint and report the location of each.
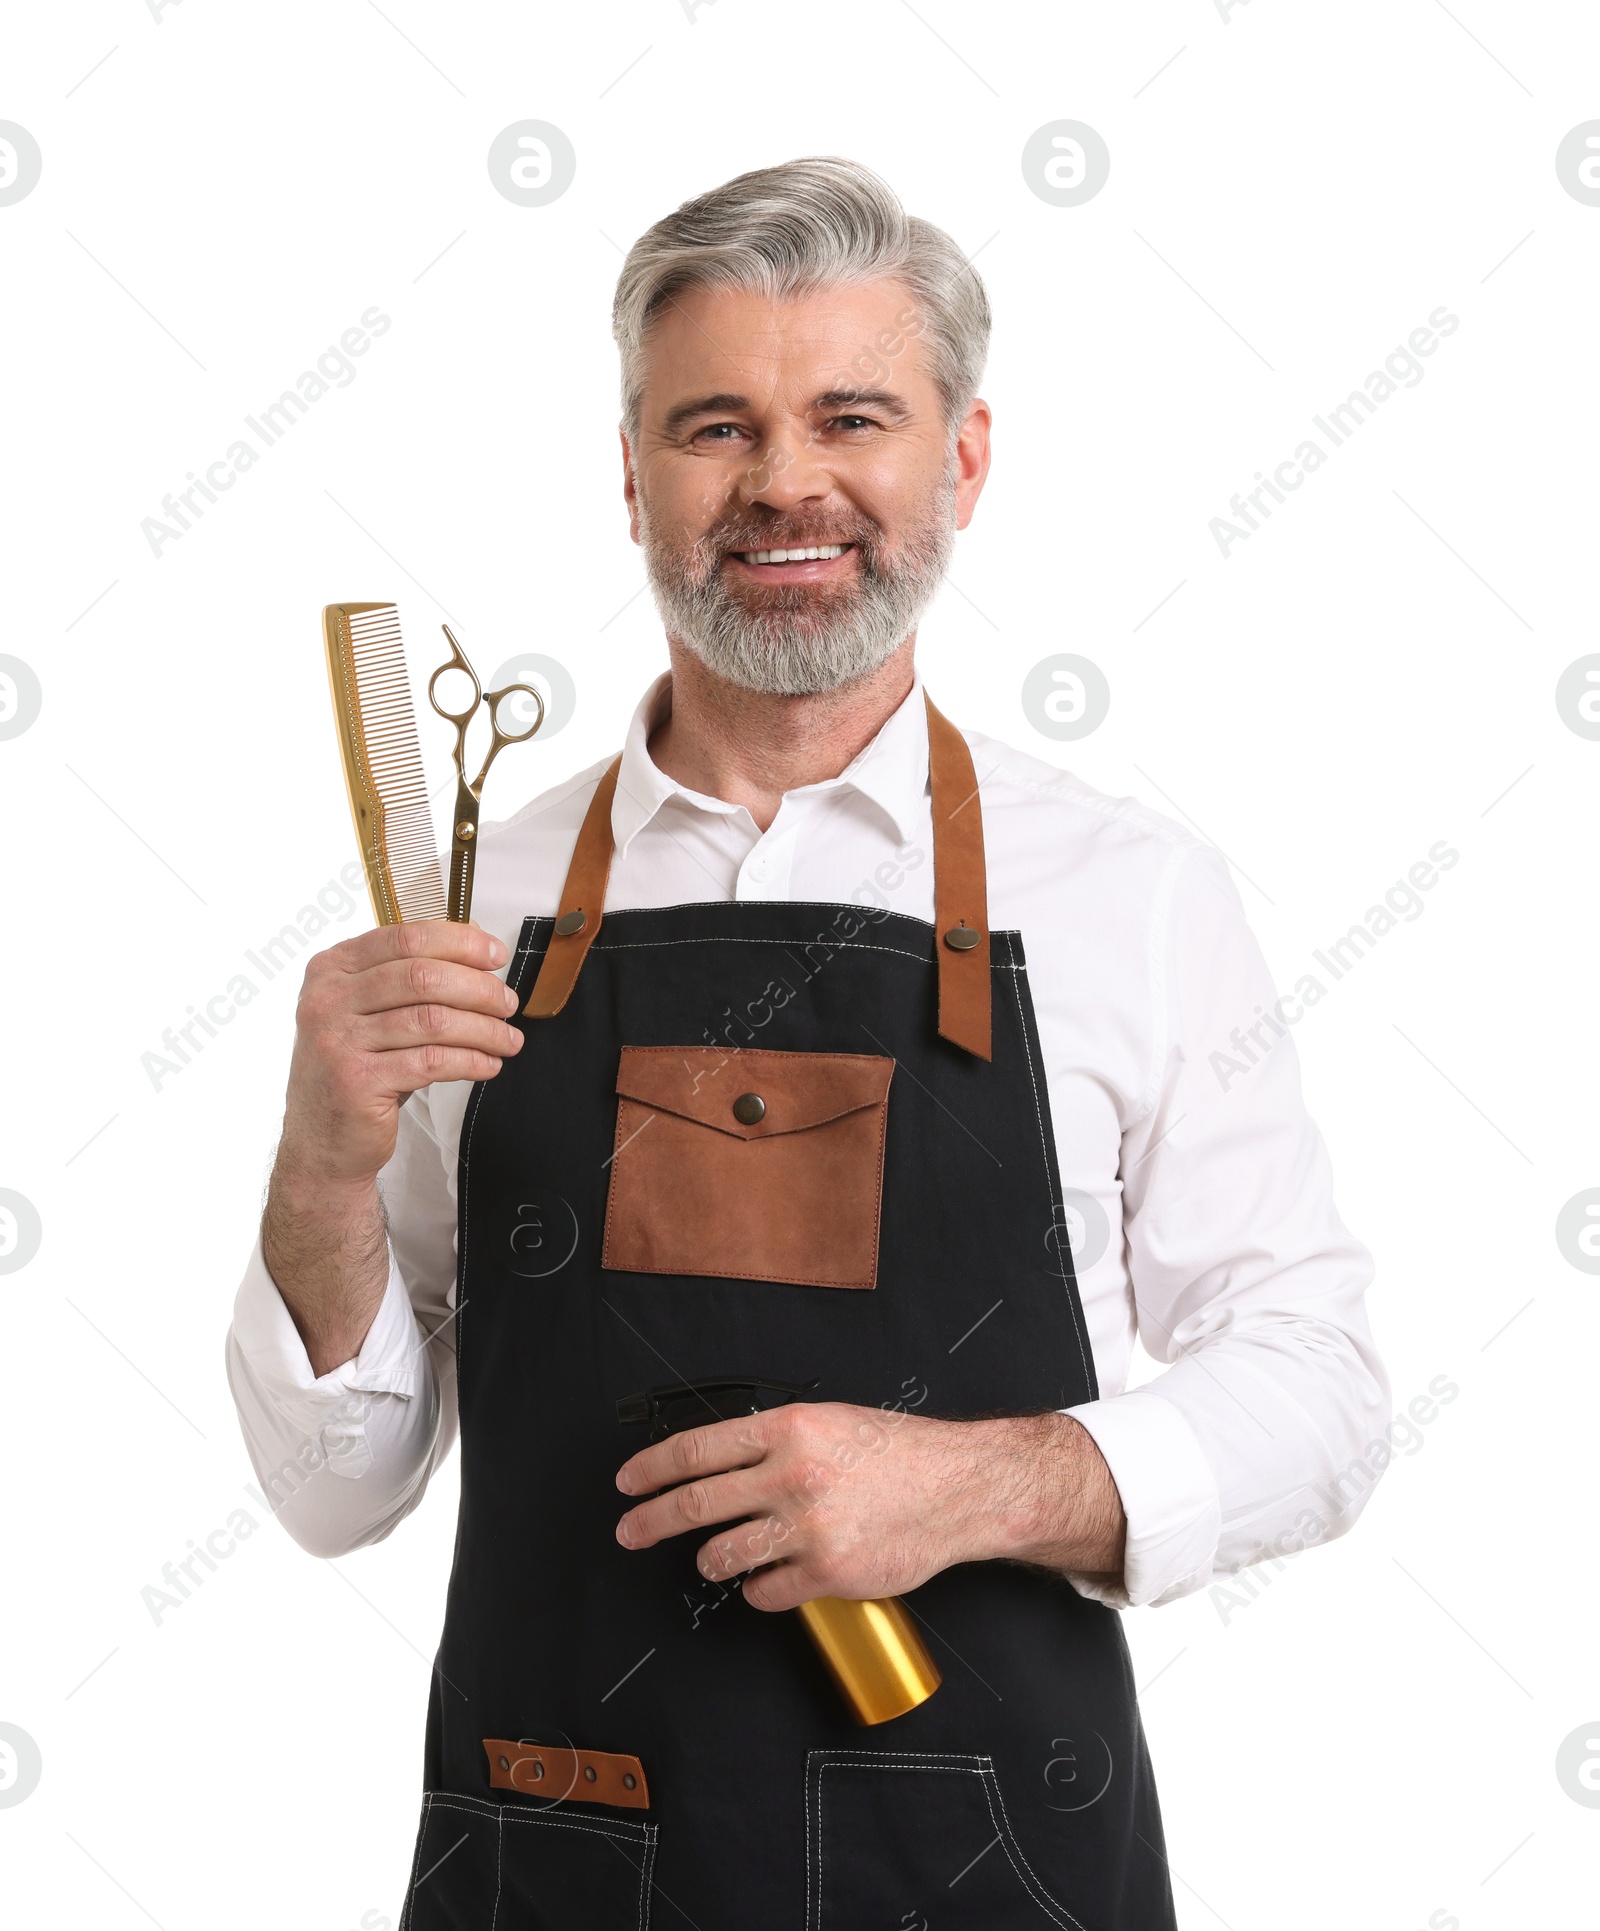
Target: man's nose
(786, 471)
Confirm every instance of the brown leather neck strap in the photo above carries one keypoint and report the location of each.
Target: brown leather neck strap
(583, 899)
(960, 889)
(961, 901)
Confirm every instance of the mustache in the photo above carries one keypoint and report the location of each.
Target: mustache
(790, 534)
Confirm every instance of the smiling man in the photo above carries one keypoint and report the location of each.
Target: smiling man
(772, 1190)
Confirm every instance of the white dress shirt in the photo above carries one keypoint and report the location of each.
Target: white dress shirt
(1202, 1210)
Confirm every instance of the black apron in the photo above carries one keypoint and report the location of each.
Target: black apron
(614, 1741)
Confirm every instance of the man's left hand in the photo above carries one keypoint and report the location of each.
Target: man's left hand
(827, 1499)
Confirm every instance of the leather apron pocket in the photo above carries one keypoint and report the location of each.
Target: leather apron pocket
(899, 1840)
(760, 1166)
(538, 1869)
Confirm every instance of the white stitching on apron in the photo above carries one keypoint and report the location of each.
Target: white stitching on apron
(1090, 1380)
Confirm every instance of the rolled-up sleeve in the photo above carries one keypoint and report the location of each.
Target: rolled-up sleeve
(1264, 1435)
(343, 1457)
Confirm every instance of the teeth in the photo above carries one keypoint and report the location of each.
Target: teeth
(814, 552)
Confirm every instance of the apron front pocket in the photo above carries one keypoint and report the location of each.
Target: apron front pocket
(756, 1165)
(491, 1867)
(900, 1840)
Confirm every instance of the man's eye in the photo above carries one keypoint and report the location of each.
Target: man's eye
(853, 422)
(719, 431)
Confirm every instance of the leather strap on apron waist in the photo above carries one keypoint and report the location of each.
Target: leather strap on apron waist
(588, 1776)
(961, 902)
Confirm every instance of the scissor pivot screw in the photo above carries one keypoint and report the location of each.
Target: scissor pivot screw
(466, 829)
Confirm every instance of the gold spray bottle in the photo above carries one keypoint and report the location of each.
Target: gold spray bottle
(873, 1650)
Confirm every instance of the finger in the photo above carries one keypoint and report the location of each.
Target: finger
(432, 1025)
(406, 1072)
(695, 1505)
(751, 1545)
(427, 980)
(428, 1065)
(464, 941)
(781, 1585)
(738, 1443)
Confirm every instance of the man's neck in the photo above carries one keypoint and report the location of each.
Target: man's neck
(750, 748)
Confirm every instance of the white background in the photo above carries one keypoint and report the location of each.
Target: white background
(1372, 1739)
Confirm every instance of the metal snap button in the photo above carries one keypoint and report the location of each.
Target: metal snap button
(629, 1780)
(960, 938)
(505, 1763)
(748, 1108)
(538, 1770)
(588, 1772)
(568, 923)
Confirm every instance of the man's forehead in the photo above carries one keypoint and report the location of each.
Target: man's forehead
(846, 336)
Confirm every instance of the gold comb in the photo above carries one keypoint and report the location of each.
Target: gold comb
(382, 762)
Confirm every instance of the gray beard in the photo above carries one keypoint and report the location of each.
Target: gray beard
(802, 642)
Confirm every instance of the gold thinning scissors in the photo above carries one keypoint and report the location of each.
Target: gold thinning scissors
(464, 843)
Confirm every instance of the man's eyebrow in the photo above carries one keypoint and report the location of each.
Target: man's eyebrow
(702, 406)
(726, 403)
(884, 399)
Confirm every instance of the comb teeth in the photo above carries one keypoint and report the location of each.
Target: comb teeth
(379, 736)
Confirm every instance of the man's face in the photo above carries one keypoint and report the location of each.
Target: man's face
(774, 426)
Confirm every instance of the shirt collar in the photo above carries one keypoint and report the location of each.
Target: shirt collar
(891, 771)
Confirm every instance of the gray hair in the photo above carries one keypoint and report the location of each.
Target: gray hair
(805, 225)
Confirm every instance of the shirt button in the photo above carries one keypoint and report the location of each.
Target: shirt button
(760, 869)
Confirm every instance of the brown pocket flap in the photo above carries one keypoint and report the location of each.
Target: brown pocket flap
(701, 1083)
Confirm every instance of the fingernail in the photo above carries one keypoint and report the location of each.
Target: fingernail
(497, 952)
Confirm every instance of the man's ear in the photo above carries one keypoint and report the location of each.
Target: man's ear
(971, 460)
(630, 493)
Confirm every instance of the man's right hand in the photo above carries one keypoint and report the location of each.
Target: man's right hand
(379, 1016)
